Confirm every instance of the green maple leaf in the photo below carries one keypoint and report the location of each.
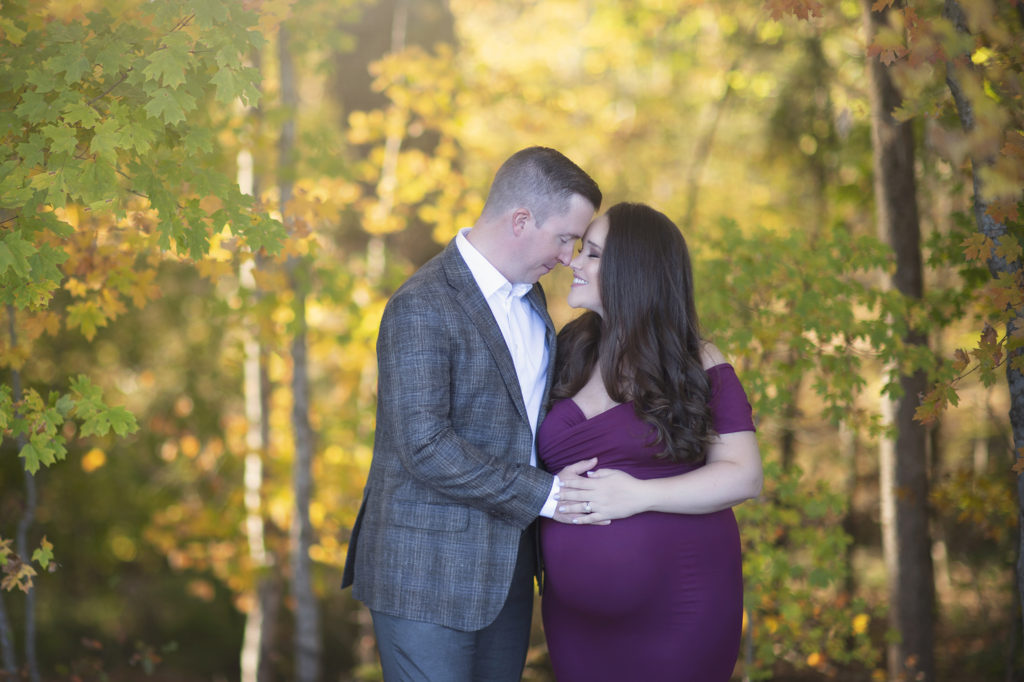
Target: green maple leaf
(87, 316)
(185, 99)
(97, 418)
(42, 451)
(43, 555)
(49, 448)
(115, 56)
(209, 13)
(44, 79)
(71, 62)
(67, 33)
(94, 184)
(168, 64)
(80, 112)
(107, 139)
(65, 403)
(57, 189)
(33, 107)
(226, 82)
(45, 261)
(266, 233)
(118, 419)
(164, 106)
(1009, 248)
(86, 392)
(32, 457)
(142, 134)
(31, 151)
(122, 421)
(14, 254)
(63, 138)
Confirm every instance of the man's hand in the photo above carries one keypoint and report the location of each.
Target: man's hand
(601, 496)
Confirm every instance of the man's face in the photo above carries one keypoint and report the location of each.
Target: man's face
(553, 242)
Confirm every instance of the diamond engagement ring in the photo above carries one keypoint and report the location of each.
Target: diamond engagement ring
(586, 508)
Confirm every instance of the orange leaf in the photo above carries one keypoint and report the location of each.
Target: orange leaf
(960, 360)
(988, 335)
(977, 247)
(802, 9)
(1004, 210)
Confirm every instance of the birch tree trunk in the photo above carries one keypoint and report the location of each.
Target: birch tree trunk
(997, 265)
(903, 458)
(258, 638)
(307, 622)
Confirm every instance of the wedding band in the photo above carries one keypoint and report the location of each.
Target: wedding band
(586, 508)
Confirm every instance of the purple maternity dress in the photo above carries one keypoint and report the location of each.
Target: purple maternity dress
(653, 597)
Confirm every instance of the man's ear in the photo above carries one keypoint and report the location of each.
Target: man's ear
(521, 218)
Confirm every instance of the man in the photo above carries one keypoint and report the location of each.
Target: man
(443, 551)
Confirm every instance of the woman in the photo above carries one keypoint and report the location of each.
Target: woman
(658, 594)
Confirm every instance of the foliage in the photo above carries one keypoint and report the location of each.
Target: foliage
(19, 573)
(38, 422)
(796, 593)
(107, 120)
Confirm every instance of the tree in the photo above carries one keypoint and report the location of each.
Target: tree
(976, 87)
(903, 455)
(106, 112)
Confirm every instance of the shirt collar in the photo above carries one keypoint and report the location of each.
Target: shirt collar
(486, 275)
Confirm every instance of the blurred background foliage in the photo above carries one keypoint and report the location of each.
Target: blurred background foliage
(191, 186)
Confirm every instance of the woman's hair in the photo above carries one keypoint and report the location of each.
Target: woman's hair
(648, 343)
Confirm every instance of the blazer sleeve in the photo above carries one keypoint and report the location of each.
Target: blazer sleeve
(421, 348)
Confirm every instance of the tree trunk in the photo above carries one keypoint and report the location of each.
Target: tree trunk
(382, 27)
(25, 523)
(10, 658)
(258, 638)
(903, 459)
(996, 231)
(701, 152)
(307, 626)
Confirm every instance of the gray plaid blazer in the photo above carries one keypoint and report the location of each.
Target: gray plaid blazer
(450, 488)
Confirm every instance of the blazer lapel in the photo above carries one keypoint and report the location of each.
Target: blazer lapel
(479, 312)
(539, 302)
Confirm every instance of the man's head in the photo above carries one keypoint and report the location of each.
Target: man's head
(539, 205)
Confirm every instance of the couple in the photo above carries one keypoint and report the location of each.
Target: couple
(628, 480)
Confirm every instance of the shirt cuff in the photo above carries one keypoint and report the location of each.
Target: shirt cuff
(548, 510)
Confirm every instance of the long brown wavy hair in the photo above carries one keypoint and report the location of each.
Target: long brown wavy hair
(648, 343)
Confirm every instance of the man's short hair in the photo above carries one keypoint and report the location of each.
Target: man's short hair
(541, 179)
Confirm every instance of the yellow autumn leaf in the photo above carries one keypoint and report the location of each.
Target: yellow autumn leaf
(860, 623)
(76, 287)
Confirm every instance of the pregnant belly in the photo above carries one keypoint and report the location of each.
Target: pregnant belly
(640, 563)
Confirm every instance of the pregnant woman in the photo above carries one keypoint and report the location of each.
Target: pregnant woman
(656, 594)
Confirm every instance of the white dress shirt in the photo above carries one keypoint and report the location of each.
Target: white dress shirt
(525, 335)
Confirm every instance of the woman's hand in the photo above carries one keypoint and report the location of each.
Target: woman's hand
(571, 477)
(603, 495)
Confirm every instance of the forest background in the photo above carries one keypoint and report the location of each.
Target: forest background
(204, 205)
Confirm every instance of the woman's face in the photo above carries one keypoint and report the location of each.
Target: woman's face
(586, 268)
